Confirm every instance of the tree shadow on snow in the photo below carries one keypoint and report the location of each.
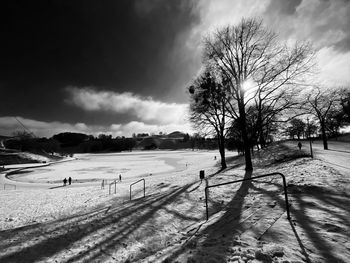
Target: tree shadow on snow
(104, 230)
(110, 228)
(220, 231)
(221, 235)
(322, 199)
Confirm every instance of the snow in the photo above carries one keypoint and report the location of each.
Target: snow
(90, 167)
(247, 223)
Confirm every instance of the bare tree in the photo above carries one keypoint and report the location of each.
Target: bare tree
(322, 103)
(256, 67)
(277, 89)
(208, 109)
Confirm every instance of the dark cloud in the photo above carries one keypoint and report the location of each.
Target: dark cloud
(344, 44)
(113, 45)
(331, 24)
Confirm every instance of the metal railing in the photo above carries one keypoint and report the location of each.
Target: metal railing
(247, 179)
(13, 186)
(144, 187)
(115, 186)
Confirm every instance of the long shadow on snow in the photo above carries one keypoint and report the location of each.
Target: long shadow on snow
(307, 224)
(75, 228)
(113, 240)
(222, 229)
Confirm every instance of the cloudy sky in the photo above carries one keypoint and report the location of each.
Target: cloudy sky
(123, 66)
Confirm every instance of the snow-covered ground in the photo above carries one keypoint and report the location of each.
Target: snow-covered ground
(92, 167)
(247, 221)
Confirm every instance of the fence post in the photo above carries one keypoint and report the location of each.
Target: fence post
(144, 188)
(206, 202)
(286, 196)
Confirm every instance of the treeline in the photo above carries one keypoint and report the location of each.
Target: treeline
(69, 143)
(35, 145)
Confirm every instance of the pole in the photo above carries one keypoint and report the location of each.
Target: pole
(286, 195)
(308, 126)
(206, 202)
(144, 188)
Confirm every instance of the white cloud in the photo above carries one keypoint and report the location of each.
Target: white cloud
(220, 13)
(215, 14)
(322, 22)
(334, 67)
(326, 24)
(140, 127)
(151, 116)
(48, 129)
(145, 109)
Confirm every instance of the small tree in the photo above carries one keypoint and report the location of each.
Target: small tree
(297, 128)
(312, 129)
(322, 103)
(208, 109)
(334, 122)
(345, 103)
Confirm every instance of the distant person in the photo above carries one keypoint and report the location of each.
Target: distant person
(70, 180)
(103, 184)
(64, 181)
(299, 145)
(120, 177)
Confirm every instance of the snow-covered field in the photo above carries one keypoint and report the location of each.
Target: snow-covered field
(40, 194)
(247, 221)
(92, 167)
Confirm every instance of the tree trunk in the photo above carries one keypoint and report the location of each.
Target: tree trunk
(324, 135)
(246, 142)
(222, 156)
(262, 140)
(221, 143)
(261, 136)
(247, 155)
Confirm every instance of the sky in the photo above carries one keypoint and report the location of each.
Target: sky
(123, 67)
